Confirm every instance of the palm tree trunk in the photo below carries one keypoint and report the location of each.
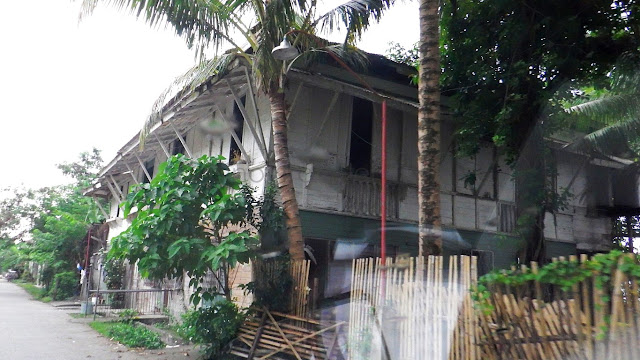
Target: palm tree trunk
(283, 174)
(430, 242)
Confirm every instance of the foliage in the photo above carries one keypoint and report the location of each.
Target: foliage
(214, 326)
(398, 53)
(273, 292)
(562, 274)
(64, 285)
(115, 271)
(180, 224)
(128, 334)
(128, 315)
(84, 170)
(54, 220)
(611, 113)
(621, 233)
(266, 215)
(508, 85)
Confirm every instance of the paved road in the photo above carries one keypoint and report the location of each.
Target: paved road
(30, 329)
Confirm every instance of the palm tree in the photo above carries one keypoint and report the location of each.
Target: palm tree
(430, 242)
(262, 25)
(613, 113)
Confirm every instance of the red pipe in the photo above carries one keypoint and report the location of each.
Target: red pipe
(383, 190)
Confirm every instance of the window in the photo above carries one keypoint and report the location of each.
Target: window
(361, 137)
(234, 150)
(149, 166)
(177, 147)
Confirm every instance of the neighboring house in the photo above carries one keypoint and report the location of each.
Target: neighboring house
(334, 142)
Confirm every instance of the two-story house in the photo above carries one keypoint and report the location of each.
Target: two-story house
(334, 143)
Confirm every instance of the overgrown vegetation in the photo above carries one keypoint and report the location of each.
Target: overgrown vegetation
(562, 274)
(213, 326)
(64, 285)
(36, 292)
(55, 221)
(129, 334)
(508, 85)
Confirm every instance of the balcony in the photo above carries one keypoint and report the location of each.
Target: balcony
(362, 197)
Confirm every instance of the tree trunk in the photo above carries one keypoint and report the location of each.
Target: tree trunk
(430, 242)
(531, 186)
(283, 175)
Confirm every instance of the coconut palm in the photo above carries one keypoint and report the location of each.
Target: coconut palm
(614, 113)
(430, 242)
(262, 25)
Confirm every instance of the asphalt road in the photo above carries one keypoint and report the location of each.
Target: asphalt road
(30, 329)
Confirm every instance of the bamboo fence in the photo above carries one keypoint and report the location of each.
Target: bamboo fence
(266, 271)
(586, 321)
(413, 309)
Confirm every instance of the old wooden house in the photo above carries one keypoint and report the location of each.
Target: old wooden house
(334, 143)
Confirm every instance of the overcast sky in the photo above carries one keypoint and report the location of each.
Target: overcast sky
(67, 87)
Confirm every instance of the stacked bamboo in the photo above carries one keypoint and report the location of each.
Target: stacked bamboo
(272, 335)
(413, 309)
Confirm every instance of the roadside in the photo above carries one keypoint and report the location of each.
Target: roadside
(30, 329)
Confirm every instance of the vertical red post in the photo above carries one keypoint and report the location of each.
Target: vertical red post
(383, 190)
(86, 258)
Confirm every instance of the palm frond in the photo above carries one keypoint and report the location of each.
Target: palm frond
(353, 57)
(610, 139)
(609, 109)
(354, 15)
(184, 85)
(201, 23)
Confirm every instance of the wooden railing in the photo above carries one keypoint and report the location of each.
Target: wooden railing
(362, 196)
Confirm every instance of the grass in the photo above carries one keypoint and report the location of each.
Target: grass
(128, 334)
(79, 315)
(37, 293)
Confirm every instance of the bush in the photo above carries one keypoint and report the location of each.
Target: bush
(129, 335)
(64, 285)
(214, 327)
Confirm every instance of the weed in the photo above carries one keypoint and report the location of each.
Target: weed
(128, 334)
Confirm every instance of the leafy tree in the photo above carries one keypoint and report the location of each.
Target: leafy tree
(408, 56)
(504, 78)
(84, 170)
(214, 23)
(49, 225)
(182, 224)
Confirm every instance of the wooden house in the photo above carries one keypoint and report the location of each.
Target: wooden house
(334, 143)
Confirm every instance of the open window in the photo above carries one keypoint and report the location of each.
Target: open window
(149, 165)
(177, 147)
(235, 153)
(361, 137)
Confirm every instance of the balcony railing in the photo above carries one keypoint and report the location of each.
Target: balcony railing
(362, 197)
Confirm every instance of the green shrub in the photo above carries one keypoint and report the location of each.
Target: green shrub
(129, 335)
(128, 315)
(64, 285)
(214, 327)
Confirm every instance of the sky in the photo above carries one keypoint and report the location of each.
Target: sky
(68, 86)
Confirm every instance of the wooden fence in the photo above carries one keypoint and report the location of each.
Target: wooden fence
(413, 309)
(582, 320)
(268, 271)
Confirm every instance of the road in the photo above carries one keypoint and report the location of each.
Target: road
(30, 329)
